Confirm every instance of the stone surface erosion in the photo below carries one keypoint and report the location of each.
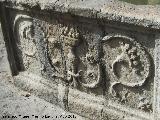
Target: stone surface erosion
(99, 59)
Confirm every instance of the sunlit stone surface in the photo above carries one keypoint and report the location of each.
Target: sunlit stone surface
(99, 59)
(143, 2)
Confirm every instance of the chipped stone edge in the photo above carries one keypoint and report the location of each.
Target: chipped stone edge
(86, 105)
(101, 9)
(156, 105)
(96, 14)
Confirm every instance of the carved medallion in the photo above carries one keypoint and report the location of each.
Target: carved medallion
(127, 62)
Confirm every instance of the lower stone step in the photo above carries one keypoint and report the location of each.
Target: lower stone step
(87, 105)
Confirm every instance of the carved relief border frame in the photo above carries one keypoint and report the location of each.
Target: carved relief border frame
(6, 28)
(156, 106)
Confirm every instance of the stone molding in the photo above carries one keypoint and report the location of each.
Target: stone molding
(111, 10)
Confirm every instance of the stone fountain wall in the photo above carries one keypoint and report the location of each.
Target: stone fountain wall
(94, 60)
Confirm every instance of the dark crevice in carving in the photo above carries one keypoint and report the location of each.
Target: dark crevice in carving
(8, 37)
(17, 37)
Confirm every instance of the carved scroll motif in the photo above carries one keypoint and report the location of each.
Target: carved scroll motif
(129, 62)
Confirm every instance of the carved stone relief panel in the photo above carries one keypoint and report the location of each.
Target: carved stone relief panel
(128, 66)
(58, 42)
(27, 55)
(116, 66)
(70, 53)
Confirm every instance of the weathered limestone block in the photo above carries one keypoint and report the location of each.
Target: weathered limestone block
(99, 60)
(3, 56)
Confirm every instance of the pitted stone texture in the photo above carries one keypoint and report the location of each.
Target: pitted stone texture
(130, 84)
(26, 50)
(75, 53)
(81, 103)
(17, 103)
(38, 86)
(107, 9)
(70, 50)
(157, 78)
(4, 64)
